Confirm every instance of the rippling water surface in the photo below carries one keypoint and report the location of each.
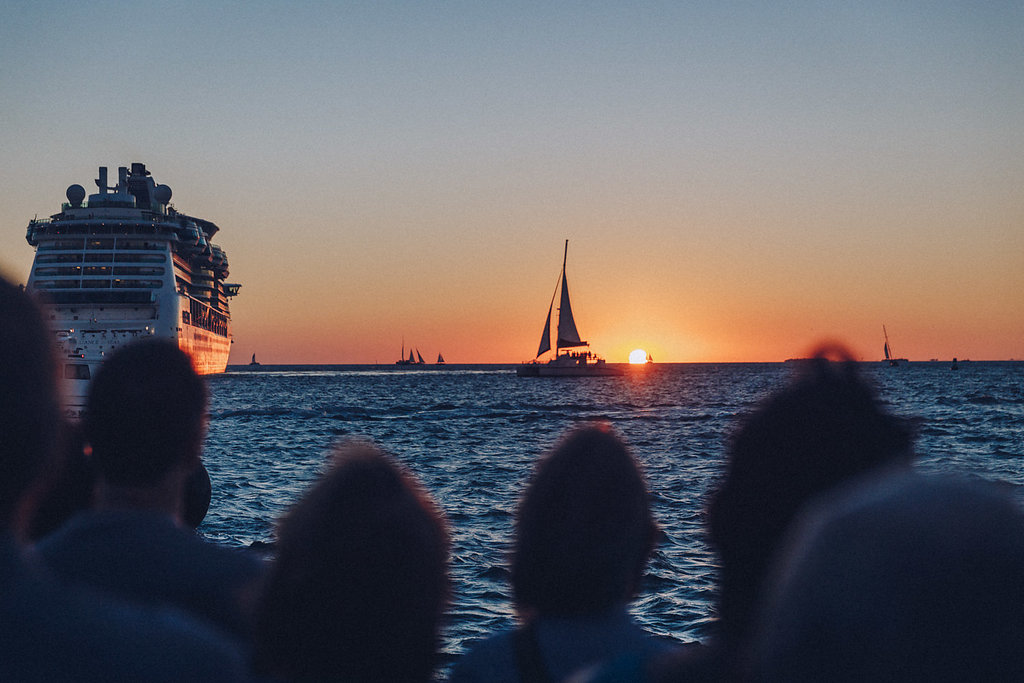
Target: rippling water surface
(471, 434)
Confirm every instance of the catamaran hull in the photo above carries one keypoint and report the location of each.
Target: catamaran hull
(556, 368)
(535, 371)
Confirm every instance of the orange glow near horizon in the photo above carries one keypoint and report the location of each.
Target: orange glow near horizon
(429, 193)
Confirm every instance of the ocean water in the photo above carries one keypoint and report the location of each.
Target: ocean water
(472, 433)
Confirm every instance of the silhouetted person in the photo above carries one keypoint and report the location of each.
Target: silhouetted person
(823, 430)
(584, 532)
(360, 582)
(68, 488)
(48, 631)
(144, 422)
(911, 578)
(71, 488)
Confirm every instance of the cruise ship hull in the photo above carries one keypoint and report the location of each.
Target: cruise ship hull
(209, 354)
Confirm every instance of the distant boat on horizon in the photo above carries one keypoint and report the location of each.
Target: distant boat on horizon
(412, 359)
(253, 363)
(569, 363)
(890, 357)
(440, 359)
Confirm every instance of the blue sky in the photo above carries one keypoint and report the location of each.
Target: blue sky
(382, 170)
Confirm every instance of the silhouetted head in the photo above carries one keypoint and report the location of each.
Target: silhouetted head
(909, 578)
(823, 430)
(584, 528)
(146, 413)
(360, 583)
(29, 407)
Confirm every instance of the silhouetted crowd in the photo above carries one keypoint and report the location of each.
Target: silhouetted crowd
(837, 561)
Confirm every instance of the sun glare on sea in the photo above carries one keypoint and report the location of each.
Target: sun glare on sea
(637, 356)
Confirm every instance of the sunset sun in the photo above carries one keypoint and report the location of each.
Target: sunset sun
(637, 356)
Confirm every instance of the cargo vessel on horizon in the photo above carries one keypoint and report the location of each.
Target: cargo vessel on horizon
(126, 264)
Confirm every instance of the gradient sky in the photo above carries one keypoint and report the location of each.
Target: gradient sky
(738, 181)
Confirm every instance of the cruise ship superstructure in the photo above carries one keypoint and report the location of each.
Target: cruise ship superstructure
(126, 264)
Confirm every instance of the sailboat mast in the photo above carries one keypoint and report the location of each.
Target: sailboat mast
(558, 335)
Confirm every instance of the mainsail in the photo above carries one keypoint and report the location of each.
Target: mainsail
(568, 336)
(885, 348)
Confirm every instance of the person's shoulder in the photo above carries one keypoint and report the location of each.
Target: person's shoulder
(490, 658)
(70, 543)
(53, 631)
(677, 663)
(690, 663)
(236, 560)
(650, 644)
(161, 643)
(90, 534)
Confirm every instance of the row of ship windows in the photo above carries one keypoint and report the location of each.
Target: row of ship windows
(101, 243)
(206, 318)
(99, 284)
(98, 270)
(78, 228)
(101, 257)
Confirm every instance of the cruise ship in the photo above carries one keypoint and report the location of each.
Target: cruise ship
(126, 264)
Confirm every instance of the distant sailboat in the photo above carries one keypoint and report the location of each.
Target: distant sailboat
(440, 359)
(402, 360)
(570, 363)
(890, 357)
(253, 363)
(650, 358)
(414, 357)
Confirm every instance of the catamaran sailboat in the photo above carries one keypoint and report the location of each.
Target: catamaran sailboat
(890, 357)
(570, 363)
